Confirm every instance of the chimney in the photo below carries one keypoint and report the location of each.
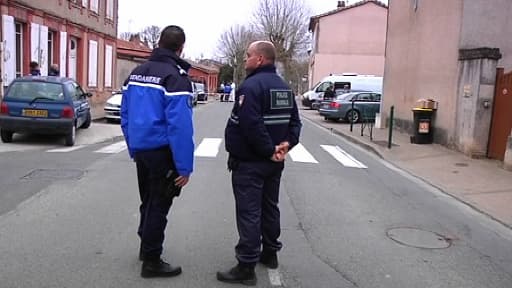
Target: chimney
(341, 4)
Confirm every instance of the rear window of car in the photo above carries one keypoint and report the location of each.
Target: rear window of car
(346, 96)
(27, 90)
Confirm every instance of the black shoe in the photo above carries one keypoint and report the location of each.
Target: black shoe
(269, 259)
(238, 274)
(158, 268)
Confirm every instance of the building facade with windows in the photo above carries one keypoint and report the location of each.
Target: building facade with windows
(77, 35)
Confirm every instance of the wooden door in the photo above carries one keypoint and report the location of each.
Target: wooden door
(502, 115)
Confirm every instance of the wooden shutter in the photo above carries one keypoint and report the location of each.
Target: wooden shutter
(34, 42)
(63, 53)
(108, 66)
(110, 9)
(94, 6)
(85, 4)
(93, 63)
(43, 48)
(9, 38)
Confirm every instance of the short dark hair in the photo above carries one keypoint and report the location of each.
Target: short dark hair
(266, 49)
(172, 38)
(33, 65)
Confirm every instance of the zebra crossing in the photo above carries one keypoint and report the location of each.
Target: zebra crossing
(210, 148)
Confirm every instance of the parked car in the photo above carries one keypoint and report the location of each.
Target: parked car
(44, 105)
(365, 104)
(113, 107)
(199, 91)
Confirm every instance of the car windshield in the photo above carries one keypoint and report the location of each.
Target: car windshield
(346, 96)
(28, 90)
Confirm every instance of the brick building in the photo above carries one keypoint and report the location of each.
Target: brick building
(78, 35)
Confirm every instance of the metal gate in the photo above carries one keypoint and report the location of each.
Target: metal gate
(502, 115)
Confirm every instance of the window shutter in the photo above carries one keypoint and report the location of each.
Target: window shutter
(84, 3)
(9, 38)
(93, 63)
(63, 53)
(108, 66)
(94, 6)
(34, 42)
(43, 48)
(110, 9)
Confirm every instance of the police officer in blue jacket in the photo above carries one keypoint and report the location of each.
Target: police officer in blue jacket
(263, 126)
(156, 119)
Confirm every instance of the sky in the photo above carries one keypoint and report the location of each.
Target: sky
(203, 20)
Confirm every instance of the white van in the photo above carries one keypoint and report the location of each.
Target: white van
(350, 82)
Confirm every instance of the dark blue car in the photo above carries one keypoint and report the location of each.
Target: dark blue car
(44, 105)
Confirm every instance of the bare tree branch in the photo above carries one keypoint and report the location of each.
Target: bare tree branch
(125, 36)
(150, 35)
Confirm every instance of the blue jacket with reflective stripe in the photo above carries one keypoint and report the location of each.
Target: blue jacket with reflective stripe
(264, 114)
(156, 109)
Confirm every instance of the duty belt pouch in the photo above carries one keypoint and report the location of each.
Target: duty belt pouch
(172, 190)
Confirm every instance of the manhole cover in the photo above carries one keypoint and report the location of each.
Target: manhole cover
(54, 174)
(418, 238)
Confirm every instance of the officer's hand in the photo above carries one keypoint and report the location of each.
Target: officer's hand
(278, 155)
(181, 181)
(284, 146)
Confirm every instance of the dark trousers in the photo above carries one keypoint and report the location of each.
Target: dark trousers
(152, 167)
(256, 190)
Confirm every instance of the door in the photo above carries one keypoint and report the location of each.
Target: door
(73, 47)
(502, 115)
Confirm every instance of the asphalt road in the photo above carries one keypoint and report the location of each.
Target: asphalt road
(69, 219)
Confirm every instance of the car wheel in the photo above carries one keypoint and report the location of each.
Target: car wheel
(353, 116)
(6, 136)
(87, 122)
(70, 138)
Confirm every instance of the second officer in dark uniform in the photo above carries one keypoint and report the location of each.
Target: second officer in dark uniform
(263, 125)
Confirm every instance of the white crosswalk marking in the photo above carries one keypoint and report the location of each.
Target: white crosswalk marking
(343, 157)
(113, 148)
(300, 154)
(65, 149)
(209, 147)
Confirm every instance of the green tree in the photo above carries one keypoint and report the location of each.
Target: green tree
(225, 74)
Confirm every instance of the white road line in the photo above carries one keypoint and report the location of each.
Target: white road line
(275, 277)
(209, 147)
(65, 149)
(300, 154)
(113, 148)
(343, 157)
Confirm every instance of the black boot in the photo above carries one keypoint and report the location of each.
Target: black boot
(241, 273)
(269, 259)
(158, 268)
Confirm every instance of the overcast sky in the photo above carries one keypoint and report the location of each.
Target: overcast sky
(203, 20)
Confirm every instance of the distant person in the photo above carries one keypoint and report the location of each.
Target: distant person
(34, 69)
(329, 93)
(54, 70)
(156, 119)
(227, 91)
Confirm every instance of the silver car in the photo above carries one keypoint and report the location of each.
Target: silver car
(113, 107)
(351, 107)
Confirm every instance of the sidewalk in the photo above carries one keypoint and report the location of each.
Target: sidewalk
(480, 183)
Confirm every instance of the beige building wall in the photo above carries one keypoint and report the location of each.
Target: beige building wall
(422, 61)
(485, 25)
(351, 40)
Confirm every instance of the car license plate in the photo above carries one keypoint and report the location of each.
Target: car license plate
(325, 106)
(35, 113)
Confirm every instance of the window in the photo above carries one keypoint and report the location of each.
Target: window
(19, 49)
(94, 6)
(108, 66)
(74, 91)
(110, 9)
(323, 87)
(51, 48)
(93, 63)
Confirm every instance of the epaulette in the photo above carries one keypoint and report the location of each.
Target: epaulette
(181, 70)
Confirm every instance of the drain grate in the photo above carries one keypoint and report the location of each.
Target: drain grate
(418, 238)
(54, 174)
